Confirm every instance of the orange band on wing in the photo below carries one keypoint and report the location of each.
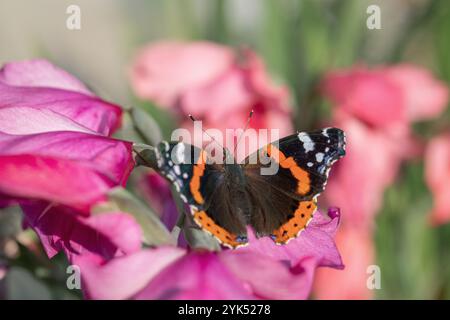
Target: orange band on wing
(206, 223)
(198, 171)
(292, 228)
(304, 182)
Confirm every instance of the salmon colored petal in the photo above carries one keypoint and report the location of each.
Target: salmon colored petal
(437, 176)
(356, 248)
(164, 70)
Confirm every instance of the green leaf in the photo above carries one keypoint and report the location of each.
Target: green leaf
(20, 284)
(146, 126)
(155, 233)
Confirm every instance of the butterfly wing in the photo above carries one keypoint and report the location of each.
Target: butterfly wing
(203, 187)
(283, 203)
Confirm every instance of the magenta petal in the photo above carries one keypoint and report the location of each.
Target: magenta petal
(39, 86)
(111, 157)
(197, 275)
(37, 177)
(271, 279)
(40, 73)
(316, 241)
(122, 277)
(59, 228)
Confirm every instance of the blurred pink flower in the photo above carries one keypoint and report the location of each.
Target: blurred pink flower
(267, 271)
(371, 163)
(164, 70)
(376, 108)
(387, 95)
(56, 159)
(437, 175)
(212, 83)
(357, 250)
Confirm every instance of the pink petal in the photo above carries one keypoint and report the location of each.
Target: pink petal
(271, 279)
(60, 228)
(57, 180)
(316, 242)
(122, 277)
(164, 70)
(197, 275)
(51, 100)
(369, 95)
(111, 157)
(426, 97)
(40, 73)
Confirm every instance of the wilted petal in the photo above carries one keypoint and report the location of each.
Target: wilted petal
(61, 228)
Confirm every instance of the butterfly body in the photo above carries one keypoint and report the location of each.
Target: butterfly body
(225, 198)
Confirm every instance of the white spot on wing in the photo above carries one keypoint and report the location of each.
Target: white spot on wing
(310, 164)
(177, 170)
(179, 155)
(319, 156)
(308, 144)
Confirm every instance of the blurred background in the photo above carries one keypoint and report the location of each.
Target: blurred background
(300, 41)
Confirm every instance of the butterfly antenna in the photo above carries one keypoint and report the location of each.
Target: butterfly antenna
(245, 128)
(193, 120)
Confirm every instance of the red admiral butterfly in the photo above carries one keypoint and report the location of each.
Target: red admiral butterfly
(225, 198)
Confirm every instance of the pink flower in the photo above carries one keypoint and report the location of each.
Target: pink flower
(357, 250)
(387, 95)
(437, 175)
(212, 83)
(56, 159)
(263, 270)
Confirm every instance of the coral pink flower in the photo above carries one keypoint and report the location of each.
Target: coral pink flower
(357, 250)
(437, 175)
(267, 271)
(163, 70)
(212, 83)
(371, 163)
(387, 95)
(56, 159)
